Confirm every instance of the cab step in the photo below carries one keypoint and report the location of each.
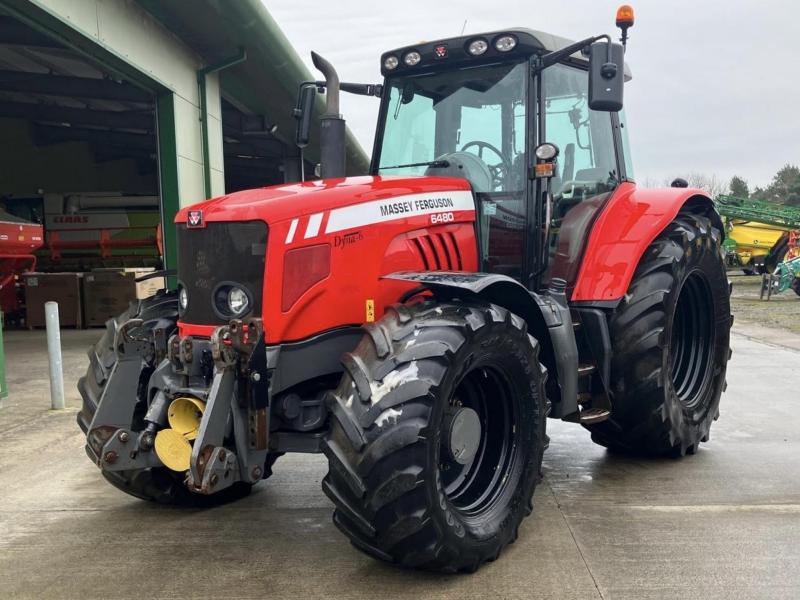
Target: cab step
(590, 416)
(585, 370)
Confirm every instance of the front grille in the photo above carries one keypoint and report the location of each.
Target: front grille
(439, 252)
(220, 252)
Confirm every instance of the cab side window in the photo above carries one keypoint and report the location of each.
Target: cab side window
(587, 164)
(586, 169)
(626, 146)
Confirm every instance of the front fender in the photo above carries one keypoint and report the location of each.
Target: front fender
(547, 315)
(626, 226)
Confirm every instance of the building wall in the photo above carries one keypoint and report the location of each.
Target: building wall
(27, 169)
(125, 30)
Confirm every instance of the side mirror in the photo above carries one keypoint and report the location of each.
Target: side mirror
(606, 76)
(303, 112)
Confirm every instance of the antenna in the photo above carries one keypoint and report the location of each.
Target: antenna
(463, 27)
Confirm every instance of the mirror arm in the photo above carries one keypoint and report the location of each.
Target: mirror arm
(558, 55)
(360, 89)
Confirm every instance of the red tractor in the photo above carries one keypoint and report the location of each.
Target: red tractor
(417, 325)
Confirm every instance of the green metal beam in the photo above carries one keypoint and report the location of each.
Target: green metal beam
(3, 388)
(760, 211)
(168, 180)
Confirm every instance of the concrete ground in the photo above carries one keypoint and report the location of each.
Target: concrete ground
(722, 524)
(781, 312)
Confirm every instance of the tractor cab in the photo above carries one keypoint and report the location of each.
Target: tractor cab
(479, 106)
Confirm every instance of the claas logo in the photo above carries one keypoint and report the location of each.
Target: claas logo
(195, 218)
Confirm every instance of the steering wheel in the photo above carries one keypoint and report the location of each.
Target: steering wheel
(500, 170)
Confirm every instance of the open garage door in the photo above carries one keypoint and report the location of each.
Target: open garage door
(78, 158)
(78, 154)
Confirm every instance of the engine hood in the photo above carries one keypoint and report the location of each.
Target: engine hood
(278, 203)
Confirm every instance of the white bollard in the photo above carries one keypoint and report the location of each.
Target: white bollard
(54, 355)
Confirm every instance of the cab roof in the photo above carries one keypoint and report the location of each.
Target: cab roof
(454, 50)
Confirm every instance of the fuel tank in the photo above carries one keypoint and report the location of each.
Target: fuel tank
(318, 260)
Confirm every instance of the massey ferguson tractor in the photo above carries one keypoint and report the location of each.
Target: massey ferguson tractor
(418, 325)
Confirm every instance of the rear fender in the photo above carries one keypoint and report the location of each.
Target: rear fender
(547, 316)
(628, 223)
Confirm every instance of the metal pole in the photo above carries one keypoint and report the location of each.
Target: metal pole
(54, 355)
(201, 82)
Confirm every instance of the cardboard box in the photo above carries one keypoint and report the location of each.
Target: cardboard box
(144, 289)
(64, 288)
(148, 287)
(108, 292)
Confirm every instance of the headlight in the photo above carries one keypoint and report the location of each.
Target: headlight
(546, 151)
(238, 301)
(477, 47)
(232, 300)
(183, 298)
(412, 58)
(505, 43)
(390, 63)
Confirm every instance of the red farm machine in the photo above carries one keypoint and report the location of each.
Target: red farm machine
(19, 239)
(417, 325)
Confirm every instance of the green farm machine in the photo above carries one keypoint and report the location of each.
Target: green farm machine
(763, 238)
(758, 232)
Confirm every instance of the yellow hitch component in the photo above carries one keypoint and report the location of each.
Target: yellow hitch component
(173, 446)
(184, 416)
(173, 449)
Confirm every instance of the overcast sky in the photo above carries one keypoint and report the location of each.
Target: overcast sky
(716, 83)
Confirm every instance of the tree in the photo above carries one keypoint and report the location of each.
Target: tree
(784, 188)
(738, 187)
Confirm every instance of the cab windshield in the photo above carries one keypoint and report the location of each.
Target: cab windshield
(468, 123)
(480, 111)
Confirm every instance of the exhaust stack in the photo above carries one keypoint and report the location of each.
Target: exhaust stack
(332, 126)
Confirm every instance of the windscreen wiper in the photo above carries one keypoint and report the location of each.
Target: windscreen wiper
(436, 164)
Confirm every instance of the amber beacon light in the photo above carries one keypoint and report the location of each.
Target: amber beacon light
(625, 21)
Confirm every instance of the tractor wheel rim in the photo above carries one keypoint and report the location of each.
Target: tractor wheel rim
(474, 487)
(692, 341)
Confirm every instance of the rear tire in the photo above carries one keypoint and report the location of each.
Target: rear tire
(796, 285)
(671, 342)
(400, 495)
(157, 484)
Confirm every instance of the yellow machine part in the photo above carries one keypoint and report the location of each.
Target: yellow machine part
(174, 450)
(753, 239)
(173, 445)
(184, 416)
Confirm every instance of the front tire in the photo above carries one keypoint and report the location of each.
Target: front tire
(671, 342)
(403, 491)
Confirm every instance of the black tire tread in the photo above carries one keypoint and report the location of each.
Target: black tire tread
(641, 420)
(377, 488)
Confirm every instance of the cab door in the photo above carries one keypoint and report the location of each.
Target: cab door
(587, 170)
